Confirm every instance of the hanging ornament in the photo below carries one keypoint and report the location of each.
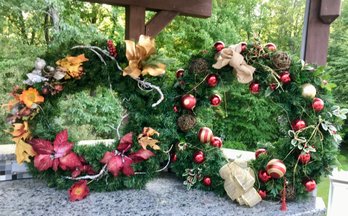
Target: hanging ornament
(207, 181)
(243, 46)
(198, 157)
(254, 88)
(271, 47)
(310, 185)
(262, 194)
(308, 90)
(304, 158)
(173, 158)
(263, 176)
(216, 142)
(215, 100)
(219, 45)
(176, 108)
(212, 80)
(318, 104)
(276, 168)
(188, 101)
(259, 152)
(283, 206)
(179, 73)
(205, 135)
(285, 77)
(298, 124)
(273, 86)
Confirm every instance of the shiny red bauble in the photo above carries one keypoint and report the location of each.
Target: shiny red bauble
(254, 88)
(216, 142)
(271, 47)
(212, 80)
(262, 194)
(219, 45)
(243, 46)
(263, 176)
(310, 185)
(298, 124)
(215, 100)
(188, 101)
(173, 158)
(318, 104)
(207, 181)
(304, 158)
(179, 73)
(258, 152)
(198, 157)
(285, 77)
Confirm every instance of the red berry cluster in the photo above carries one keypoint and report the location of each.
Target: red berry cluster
(112, 48)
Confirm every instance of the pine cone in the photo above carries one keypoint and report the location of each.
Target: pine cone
(186, 122)
(281, 60)
(199, 66)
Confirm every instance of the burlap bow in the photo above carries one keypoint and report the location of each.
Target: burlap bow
(137, 54)
(239, 182)
(231, 55)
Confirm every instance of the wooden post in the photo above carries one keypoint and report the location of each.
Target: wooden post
(319, 15)
(135, 22)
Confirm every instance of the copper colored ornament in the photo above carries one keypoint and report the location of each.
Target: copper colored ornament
(216, 142)
(198, 157)
(276, 168)
(188, 101)
(215, 100)
(207, 181)
(212, 80)
(205, 135)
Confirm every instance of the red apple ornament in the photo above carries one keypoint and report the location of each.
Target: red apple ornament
(318, 104)
(310, 185)
(188, 101)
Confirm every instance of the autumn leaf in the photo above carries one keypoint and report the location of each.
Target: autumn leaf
(72, 65)
(23, 151)
(31, 97)
(145, 138)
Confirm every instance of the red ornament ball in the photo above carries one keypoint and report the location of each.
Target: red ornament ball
(263, 176)
(262, 194)
(173, 158)
(318, 104)
(205, 135)
(215, 100)
(276, 168)
(243, 46)
(188, 101)
(254, 88)
(304, 158)
(259, 152)
(179, 73)
(285, 77)
(298, 124)
(273, 86)
(207, 181)
(219, 45)
(310, 185)
(216, 142)
(212, 80)
(271, 47)
(198, 157)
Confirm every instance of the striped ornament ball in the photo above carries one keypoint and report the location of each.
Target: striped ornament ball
(276, 168)
(205, 135)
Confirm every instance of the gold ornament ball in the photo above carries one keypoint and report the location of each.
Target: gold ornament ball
(308, 91)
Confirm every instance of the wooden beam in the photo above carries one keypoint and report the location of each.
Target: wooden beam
(194, 8)
(158, 22)
(330, 10)
(135, 22)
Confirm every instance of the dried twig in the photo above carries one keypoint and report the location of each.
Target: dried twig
(102, 172)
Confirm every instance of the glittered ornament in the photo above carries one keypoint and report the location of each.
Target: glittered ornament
(205, 135)
(308, 90)
(188, 101)
(310, 185)
(216, 142)
(254, 88)
(198, 157)
(276, 168)
(262, 194)
(271, 47)
(298, 124)
(318, 104)
(179, 73)
(263, 176)
(258, 152)
(281, 60)
(212, 80)
(207, 181)
(285, 77)
(186, 122)
(304, 158)
(215, 100)
(219, 45)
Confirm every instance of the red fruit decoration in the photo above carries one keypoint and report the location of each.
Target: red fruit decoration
(273, 86)
(176, 108)
(271, 47)
(215, 100)
(244, 46)
(173, 158)
(198, 157)
(276, 168)
(304, 158)
(207, 181)
(205, 135)
(111, 48)
(179, 73)
(219, 45)
(298, 124)
(310, 185)
(262, 194)
(263, 176)
(259, 152)
(188, 101)
(216, 142)
(212, 80)
(318, 104)
(254, 88)
(285, 77)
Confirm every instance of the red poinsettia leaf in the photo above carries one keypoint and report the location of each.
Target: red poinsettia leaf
(61, 137)
(115, 165)
(75, 173)
(55, 164)
(43, 162)
(71, 161)
(42, 146)
(141, 155)
(127, 168)
(107, 157)
(78, 191)
(63, 149)
(126, 142)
